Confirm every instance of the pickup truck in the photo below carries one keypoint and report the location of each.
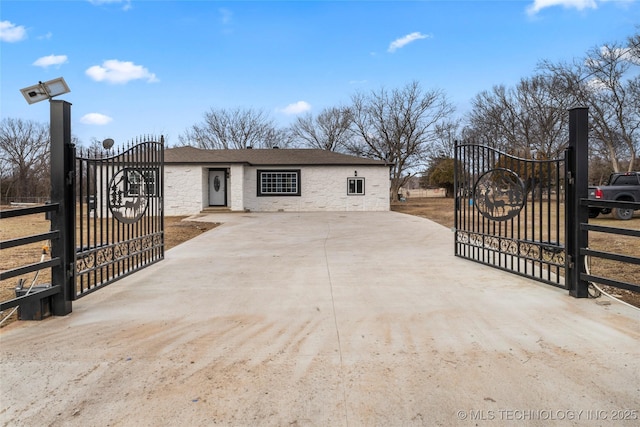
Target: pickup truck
(621, 187)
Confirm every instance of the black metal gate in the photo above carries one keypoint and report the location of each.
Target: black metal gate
(510, 212)
(119, 213)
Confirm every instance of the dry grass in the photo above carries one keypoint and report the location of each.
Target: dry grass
(441, 211)
(437, 209)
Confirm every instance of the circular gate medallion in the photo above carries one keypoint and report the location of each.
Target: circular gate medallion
(127, 196)
(499, 194)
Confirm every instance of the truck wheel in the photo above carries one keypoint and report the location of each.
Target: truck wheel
(594, 212)
(624, 214)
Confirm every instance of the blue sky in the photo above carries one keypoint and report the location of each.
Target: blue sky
(156, 67)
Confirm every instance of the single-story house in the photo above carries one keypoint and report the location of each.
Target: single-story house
(272, 180)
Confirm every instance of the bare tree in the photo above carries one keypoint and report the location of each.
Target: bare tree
(634, 85)
(530, 117)
(24, 154)
(398, 126)
(279, 138)
(233, 129)
(605, 82)
(634, 45)
(446, 135)
(330, 130)
(440, 154)
(492, 120)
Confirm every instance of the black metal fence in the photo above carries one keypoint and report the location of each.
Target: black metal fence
(531, 217)
(120, 221)
(106, 219)
(39, 297)
(509, 212)
(61, 213)
(621, 259)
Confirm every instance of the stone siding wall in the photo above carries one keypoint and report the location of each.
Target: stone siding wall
(183, 189)
(322, 189)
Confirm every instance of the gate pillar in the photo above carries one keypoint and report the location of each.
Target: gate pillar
(62, 193)
(577, 184)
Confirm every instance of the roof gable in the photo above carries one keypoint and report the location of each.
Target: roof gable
(265, 157)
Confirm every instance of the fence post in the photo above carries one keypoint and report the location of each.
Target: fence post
(456, 196)
(63, 193)
(577, 184)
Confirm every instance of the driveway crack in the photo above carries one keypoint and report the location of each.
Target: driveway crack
(335, 322)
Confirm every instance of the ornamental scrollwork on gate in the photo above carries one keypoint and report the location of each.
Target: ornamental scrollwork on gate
(103, 256)
(547, 252)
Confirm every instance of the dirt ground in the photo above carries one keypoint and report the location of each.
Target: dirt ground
(177, 230)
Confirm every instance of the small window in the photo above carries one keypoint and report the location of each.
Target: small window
(150, 180)
(355, 186)
(279, 182)
(136, 178)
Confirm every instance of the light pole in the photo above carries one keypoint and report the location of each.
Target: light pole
(45, 90)
(62, 166)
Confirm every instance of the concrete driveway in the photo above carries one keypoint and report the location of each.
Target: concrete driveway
(336, 319)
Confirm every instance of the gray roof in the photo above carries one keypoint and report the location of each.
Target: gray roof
(265, 157)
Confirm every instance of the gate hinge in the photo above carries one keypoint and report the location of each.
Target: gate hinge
(570, 179)
(70, 177)
(71, 271)
(570, 263)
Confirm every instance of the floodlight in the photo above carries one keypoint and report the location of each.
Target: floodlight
(46, 90)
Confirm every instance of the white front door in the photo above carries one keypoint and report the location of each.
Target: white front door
(217, 188)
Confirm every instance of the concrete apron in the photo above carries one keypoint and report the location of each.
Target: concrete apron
(332, 319)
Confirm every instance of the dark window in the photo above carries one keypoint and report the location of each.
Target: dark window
(355, 186)
(150, 180)
(626, 180)
(135, 178)
(279, 182)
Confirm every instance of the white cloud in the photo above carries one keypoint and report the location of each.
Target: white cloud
(11, 33)
(120, 72)
(225, 15)
(624, 54)
(595, 85)
(538, 5)
(296, 108)
(47, 61)
(126, 3)
(95, 119)
(403, 41)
